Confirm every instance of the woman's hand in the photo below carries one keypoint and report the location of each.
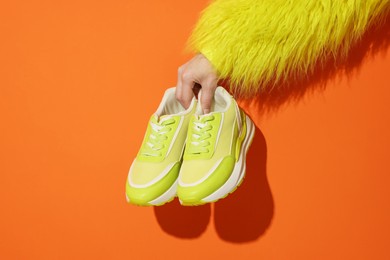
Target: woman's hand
(200, 71)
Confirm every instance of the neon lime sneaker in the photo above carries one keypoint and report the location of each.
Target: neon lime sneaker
(214, 158)
(152, 178)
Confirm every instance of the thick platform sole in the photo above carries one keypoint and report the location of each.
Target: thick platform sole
(166, 197)
(238, 173)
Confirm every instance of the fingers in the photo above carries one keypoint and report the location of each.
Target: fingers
(184, 86)
(197, 71)
(179, 85)
(206, 98)
(186, 93)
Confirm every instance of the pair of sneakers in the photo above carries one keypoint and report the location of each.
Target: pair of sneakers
(198, 157)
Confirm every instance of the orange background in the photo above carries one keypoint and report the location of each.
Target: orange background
(78, 82)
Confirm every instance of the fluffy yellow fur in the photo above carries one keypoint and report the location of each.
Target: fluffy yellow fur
(258, 43)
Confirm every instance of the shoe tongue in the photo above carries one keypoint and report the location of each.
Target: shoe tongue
(199, 109)
(160, 119)
(218, 103)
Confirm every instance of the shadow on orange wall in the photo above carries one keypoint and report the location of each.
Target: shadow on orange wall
(247, 213)
(243, 216)
(375, 41)
(252, 205)
(183, 222)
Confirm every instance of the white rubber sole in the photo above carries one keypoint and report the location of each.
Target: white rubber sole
(239, 169)
(167, 196)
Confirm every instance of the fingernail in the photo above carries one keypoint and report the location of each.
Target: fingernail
(206, 111)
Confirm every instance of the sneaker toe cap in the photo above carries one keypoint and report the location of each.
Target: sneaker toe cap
(192, 193)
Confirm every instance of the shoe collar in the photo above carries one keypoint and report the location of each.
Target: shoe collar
(170, 106)
(220, 103)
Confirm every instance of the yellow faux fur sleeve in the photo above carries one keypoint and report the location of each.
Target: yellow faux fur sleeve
(257, 43)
